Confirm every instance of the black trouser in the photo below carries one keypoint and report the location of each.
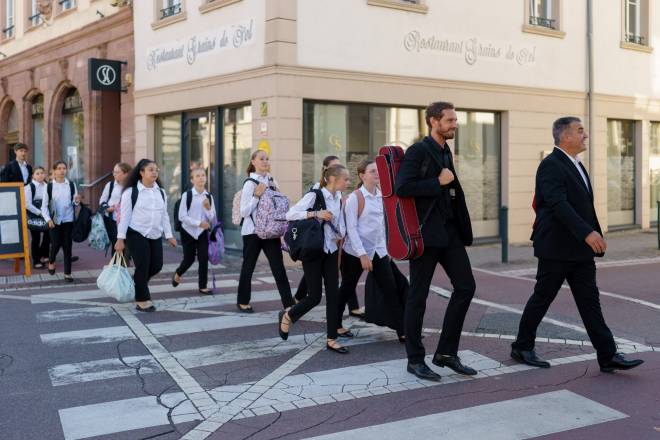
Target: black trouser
(111, 229)
(195, 247)
(581, 277)
(40, 245)
(148, 260)
(454, 260)
(60, 237)
(353, 303)
(252, 246)
(319, 272)
(351, 271)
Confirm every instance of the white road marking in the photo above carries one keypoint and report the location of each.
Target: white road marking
(535, 416)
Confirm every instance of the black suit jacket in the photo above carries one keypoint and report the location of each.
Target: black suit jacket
(413, 180)
(12, 173)
(565, 212)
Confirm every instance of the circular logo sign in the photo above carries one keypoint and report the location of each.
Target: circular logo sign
(106, 75)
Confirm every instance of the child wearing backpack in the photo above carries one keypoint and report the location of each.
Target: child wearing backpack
(365, 248)
(34, 195)
(144, 220)
(196, 215)
(58, 209)
(324, 205)
(110, 198)
(254, 187)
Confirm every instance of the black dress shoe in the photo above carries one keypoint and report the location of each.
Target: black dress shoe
(340, 350)
(346, 334)
(618, 362)
(175, 283)
(74, 259)
(453, 362)
(68, 279)
(149, 309)
(206, 292)
(280, 316)
(423, 371)
(356, 315)
(529, 357)
(245, 310)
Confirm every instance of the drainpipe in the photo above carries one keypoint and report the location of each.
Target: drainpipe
(590, 85)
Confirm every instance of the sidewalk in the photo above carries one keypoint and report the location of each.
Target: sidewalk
(622, 246)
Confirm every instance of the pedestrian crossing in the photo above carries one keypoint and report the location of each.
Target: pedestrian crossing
(281, 391)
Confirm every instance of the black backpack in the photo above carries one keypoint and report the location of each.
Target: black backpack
(177, 223)
(135, 193)
(305, 238)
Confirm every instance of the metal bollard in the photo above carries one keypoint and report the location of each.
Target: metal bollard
(504, 232)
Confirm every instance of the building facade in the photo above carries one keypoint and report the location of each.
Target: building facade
(217, 79)
(45, 97)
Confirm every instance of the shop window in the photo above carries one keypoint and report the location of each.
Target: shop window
(37, 112)
(169, 155)
(621, 172)
(654, 170)
(73, 136)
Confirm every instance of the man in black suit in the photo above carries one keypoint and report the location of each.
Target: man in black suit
(567, 237)
(18, 170)
(427, 173)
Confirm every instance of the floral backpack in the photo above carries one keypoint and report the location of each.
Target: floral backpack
(270, 216)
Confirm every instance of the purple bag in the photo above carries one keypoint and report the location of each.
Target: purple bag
(216, 244)
(270, 215)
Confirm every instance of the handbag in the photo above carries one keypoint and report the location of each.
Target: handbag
(305, 238)
(115, 280)
(36, 222)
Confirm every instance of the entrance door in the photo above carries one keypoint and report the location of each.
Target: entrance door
(199, 149)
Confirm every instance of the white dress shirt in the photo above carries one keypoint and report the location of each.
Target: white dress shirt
(576, 162)
(24, 170)
(333, 204)
(191, 219)
(149, 217)
(113, 199)
(39, 189)
(365, 234)
(249, 201)
(63, 209)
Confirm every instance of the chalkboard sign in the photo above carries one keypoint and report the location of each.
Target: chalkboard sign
(14, 242)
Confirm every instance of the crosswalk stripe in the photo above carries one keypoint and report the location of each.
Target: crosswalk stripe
(67, 374)
(535, 416)
(125, 415)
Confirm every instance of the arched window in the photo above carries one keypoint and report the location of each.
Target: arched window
(73, 141)
(37, 142)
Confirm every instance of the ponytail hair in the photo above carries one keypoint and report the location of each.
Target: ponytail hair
(251, 168)
(361, 169)
(326, 164)
(333, 171)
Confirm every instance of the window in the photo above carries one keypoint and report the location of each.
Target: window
(73, 136)
(37, 111)
(542, 14)
(8, 23)
(170, 8)
(418, 6)
(354, 132)
(65, 5)
(654, 169)
(635, 32)
(34, 19)
(621, 172)
(168, 156)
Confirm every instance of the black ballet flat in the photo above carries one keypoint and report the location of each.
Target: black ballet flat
(356, 315)
(340, 350)
(280, 317)
(347, 334)
(68, 279)
(246, 310)
(149, 309)
(51, 271)
(74, 259)
(174, 282)
(205, 292)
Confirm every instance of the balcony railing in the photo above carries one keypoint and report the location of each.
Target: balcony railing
(636, 39)
(66, 4)
(8, 32)
(35, 19)
(542, 21)
(170, 11)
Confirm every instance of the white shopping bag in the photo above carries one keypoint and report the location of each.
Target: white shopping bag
(116, 281)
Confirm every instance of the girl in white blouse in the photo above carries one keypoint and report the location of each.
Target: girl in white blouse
(365, 248)
(111, 197)
(142, 223)
(34, 195)
(59, 202)
(325, 269)
(258, 180)
(195, 224)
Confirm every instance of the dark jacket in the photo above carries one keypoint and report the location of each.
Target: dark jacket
(565, 212)
(418, 178)
(12, 173)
